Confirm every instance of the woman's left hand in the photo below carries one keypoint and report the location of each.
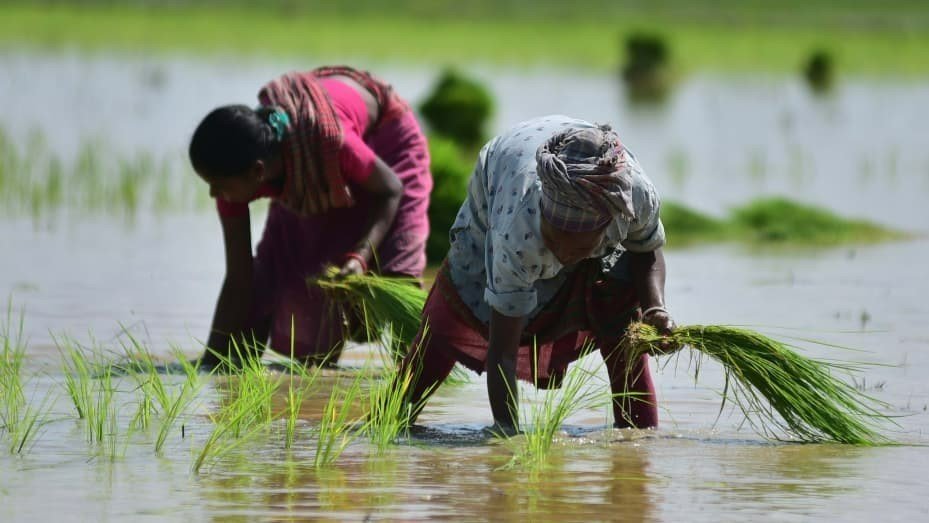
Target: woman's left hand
(664, 324)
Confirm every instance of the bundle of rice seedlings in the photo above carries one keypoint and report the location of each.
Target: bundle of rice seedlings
(775, 387)
(386, 306)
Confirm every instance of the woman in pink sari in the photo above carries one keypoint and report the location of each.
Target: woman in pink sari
(347, 168)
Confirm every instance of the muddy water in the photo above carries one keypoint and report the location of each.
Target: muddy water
(159, 278)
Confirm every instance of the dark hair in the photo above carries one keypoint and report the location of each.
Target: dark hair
(231, 139)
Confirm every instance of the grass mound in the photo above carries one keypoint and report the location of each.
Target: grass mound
(778, 220)
(686, 226)
(774, 386)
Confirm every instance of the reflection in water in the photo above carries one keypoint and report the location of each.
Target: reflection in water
(590, 481)
(783, 475)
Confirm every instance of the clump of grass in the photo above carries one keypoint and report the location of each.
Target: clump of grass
(579, 391)
(235, 424)
(337, 428)
(11, 363)
(24, 423)
(34, 180)
(778, 220)
(297, 392)
(18, 419)
(770, 221)
(387, 306)
(776, 388)
(246, 413)
(77, 374)
(391, 409)
(686, 226)
(174, 404)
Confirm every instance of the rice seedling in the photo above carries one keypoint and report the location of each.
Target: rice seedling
(148, 381)
(337, 428)
(391, 409)
(11, 362)
(297, 392)
(77, 375)
(246, 414)
(234, 425)
(18, 418)
(101, 412)
(386, 306)
(579, 391)
(777, 389)
(38, 182)
(174, 404)
(91, 388)
(24, 424)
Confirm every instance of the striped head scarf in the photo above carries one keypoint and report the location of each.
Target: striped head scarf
(313, 181)
(585, 179)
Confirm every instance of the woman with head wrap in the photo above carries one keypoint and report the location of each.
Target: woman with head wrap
(557, 244)
(347, 169)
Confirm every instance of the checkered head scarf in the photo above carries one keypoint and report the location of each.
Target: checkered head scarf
(585, 179)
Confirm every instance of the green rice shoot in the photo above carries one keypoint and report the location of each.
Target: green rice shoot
(777, 389)
(337, 427)
(389, 308)
(580, 390)
(20, 421)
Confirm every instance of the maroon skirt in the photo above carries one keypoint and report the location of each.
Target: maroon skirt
(590, 310)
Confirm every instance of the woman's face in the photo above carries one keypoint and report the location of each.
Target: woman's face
(240, 188)
(570, 247)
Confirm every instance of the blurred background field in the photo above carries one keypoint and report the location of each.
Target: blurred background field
(877, 38)
(787, 139)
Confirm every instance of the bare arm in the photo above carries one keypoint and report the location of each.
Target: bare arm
(505, 332)
(387, 189)
(648, 274)
(235, 299)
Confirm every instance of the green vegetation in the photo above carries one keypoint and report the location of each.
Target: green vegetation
(685, 226)
(35, 181)
(337, 427)
(450, 172)
(771, 221)
(778, 220)
(887, 37)
(387, 308)
(19, 420)
(459, 108)
(774, 386)
(390, 408)
(245, 412)
(646, 70)
(543, 420)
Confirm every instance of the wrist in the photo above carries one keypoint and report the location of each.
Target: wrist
(654, 309)
(357, 256)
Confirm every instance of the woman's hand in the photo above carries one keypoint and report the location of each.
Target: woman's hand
(352, 266)
(659, 318)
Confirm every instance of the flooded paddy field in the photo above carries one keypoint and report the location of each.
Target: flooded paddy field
(98, 276)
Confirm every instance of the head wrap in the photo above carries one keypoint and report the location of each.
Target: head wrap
(314, 182)
(585, 179)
